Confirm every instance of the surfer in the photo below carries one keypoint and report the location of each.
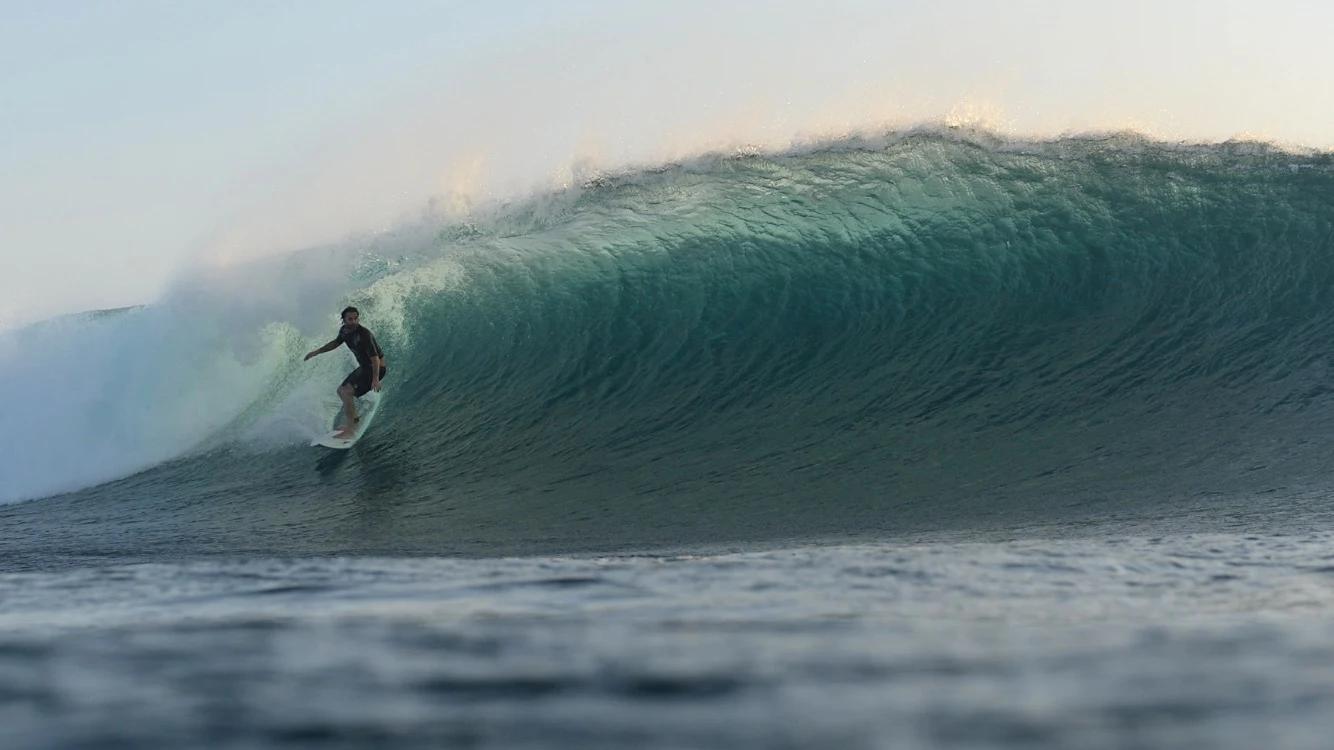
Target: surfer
(370, 366)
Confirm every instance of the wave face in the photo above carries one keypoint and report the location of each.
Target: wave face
(923, 331)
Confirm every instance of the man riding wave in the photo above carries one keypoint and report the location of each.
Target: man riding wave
(370, 366)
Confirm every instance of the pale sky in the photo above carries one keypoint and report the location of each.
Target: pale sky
(138, 136)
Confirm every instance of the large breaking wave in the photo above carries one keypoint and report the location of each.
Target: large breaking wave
(864, 336)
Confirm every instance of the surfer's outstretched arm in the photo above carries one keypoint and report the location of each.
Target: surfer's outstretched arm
(326, 348)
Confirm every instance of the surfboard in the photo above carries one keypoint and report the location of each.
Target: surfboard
(367, 406)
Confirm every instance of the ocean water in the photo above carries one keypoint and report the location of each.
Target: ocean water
(935, 439)
(1189, 641)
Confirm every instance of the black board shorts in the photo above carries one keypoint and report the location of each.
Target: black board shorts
(360, 380)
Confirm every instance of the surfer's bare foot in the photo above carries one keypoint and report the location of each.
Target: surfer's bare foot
(350, 431)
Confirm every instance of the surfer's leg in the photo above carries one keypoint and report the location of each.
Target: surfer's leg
(350, 409)
(349, 402)
(348, 393)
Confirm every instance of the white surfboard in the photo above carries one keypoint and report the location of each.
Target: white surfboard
(366, 407)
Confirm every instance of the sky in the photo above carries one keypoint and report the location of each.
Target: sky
(140, 138)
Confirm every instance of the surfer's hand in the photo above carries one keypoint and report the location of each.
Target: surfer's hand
(376, 386)
(309, 355)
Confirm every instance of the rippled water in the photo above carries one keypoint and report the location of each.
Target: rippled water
(1218, 641)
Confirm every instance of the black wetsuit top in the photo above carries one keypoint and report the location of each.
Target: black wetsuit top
(362, 344)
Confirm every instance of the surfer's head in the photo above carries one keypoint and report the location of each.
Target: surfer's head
(351, 316)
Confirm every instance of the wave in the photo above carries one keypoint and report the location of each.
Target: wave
(861, 336)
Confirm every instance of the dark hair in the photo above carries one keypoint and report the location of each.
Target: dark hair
(347, 310)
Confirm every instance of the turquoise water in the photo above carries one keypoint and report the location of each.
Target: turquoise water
(920, 332)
